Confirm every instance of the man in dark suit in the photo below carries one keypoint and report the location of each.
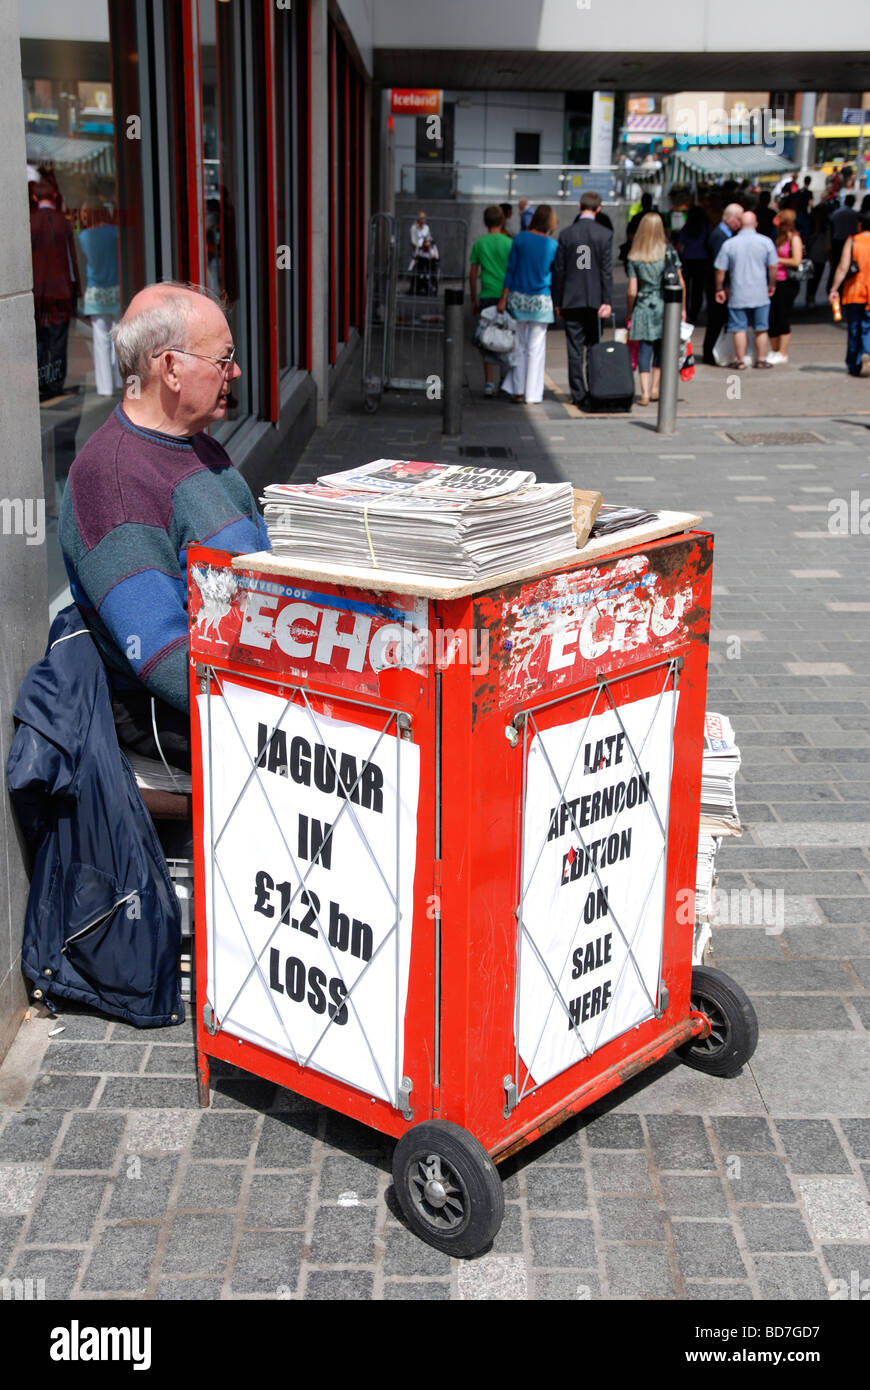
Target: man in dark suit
(583, 287)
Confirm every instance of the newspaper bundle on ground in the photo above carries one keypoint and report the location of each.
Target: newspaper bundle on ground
(720, 765)
(422, 518)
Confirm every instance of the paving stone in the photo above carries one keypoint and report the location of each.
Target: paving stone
(343, 1176)
(845, 909)
(341, 1132)
(559, 1285)
(198, 1244)
(850, 1263)
(857, 1133)
(812, 1074)
(10, 1229)
(91, 1141)
(188, 1290)
(679, 1141)
(88, 1056)
(85, 1027)
(861, 967)
(268, 1262)
(631, 1218)
(29, 1136)
(172, 1061)
(812, 1146)
(279, 1199)
(211, 1186)
(789, 1013)
(556, 1187)
(756, 1178)
(409, 1256)
(224, 1135)
(241, 1093)
(161, 1131)
(693, 1196)
(836, 1208)
(493, 1277)
(342, 1284)
(343, 1235)
(861, 1005)
(286, 1141)
(790, 977)
(143, 1187)
(774, 1228)
(66, 1210)
(791, 1277)
(621, 1172)
(717, 1293)
(59, 1270)
(149, 1093)
(562, 1241)
(835, 857)
(614, 1131)
(746, 943)
(707, 1249)
(827, 941)
(122, 1259)
(639, 1271)
(508, 1239)
(395, 1290)
(56, 1092)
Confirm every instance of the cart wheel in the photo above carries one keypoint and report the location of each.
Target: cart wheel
(734, 1026)
(448, 1187)
(370, 404)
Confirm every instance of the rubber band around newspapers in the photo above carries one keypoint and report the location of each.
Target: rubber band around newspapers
(366, 506)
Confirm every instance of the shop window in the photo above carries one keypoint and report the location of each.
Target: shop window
(527, 147)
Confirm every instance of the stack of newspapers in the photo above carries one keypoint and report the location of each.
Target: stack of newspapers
(427, 518)
(720, 765)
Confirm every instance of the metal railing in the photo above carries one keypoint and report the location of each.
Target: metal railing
(535, 181)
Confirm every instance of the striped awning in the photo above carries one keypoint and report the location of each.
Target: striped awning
(65, 152)
(738, 161)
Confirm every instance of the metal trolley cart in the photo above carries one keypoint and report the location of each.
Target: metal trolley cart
(446, 839)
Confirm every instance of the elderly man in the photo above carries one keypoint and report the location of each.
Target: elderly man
(751, 260)
(145, 486)
(717, 314)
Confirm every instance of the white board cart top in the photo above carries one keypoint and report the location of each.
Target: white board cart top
(438, 586)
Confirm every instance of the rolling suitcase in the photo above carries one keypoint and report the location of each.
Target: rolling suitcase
(610, 377)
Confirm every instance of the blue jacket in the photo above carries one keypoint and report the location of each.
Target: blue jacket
(103, 924)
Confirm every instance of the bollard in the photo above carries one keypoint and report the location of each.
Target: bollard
(454, 347)
(667, 417)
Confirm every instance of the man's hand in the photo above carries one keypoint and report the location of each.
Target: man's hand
(771, 291)
(605, 310)
(557, 311)
(721, 296)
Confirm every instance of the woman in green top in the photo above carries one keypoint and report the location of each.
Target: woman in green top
(645, 302)
(489, 258)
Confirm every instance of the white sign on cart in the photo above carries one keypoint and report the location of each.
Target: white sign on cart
(591, 914)
(310, 850)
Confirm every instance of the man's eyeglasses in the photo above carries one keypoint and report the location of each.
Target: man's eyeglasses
(224, 363)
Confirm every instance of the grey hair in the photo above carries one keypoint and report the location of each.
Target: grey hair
(165, 324)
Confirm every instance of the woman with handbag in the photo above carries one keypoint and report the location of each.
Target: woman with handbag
(790, 250)
(528, 298)
(854, 270)
(645, 302)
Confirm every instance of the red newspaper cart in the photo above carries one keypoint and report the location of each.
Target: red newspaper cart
(445, 847)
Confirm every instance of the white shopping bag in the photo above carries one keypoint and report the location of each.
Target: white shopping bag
(723, 351)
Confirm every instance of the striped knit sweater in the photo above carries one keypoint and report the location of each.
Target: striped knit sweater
(135, 500)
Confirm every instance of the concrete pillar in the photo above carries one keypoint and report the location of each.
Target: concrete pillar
(804, 150)
(319, 209)
(23, 569)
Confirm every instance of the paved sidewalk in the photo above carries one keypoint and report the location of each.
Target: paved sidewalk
(113, 1184)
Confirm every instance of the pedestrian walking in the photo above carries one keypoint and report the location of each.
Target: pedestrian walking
(527, 295)
(855, 296)
(693, 244)
(844, 224)
(56, 287)
(790, 250)
(98, 240)
(526, 212)
(751, 260)
(489, 258)
(583, 288)
(817, 248)
(645, 299)
(717, 311)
